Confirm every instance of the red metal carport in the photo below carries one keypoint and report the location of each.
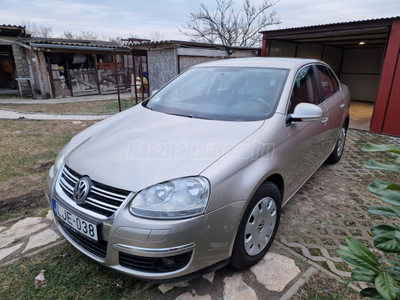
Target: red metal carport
(364, 54)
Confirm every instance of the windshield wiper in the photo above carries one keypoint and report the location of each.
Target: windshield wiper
(188, 116)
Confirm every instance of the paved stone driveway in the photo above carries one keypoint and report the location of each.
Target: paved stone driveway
(332, 205)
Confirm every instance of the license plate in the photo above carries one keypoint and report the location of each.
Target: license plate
(83, 226)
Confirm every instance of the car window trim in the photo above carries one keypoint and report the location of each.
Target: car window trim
(320, 82)
(294, 80)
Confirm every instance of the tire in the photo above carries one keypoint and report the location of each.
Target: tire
(337, 152)
(254, 236)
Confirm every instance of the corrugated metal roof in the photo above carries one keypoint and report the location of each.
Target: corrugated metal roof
(184, 43)
(69, 42)
(359, 22)
(13, 26)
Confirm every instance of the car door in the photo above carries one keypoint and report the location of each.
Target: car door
(307, 139)
(334, 101)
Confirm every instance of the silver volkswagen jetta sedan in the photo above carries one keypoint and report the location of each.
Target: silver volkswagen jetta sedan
(196, 176)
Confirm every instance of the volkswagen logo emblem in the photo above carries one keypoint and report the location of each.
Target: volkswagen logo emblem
(82, 189)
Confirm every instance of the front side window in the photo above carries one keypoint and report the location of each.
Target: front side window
(305, 88)
(328, 82)
(222, 93)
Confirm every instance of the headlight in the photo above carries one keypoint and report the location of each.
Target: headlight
(59, 161)
(179, 198)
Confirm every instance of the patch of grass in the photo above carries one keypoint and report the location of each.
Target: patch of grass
(315, 252)
(309, 240)
(9, 96)
(297, 249)
(327, 241)
(322, 230)
(356, 232)
(342, 266)
(91, 107)
(322, 287)
(339, 232)
(333, 222)
(72, 277)
(28, 150)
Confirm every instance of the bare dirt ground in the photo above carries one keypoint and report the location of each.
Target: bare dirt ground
(28, 150)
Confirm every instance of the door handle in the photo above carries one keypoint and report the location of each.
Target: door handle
(325, 121)
(342, 106)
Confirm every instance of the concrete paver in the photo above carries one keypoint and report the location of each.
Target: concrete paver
(21, 229)
(235, 288)
(44, 238)
(7, 251)
(189, 296)
(14, 115)
(30, 234)
(266, 271)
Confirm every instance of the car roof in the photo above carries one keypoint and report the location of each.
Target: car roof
(261, 62)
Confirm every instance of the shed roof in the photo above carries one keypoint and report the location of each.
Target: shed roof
(70, 42)
(339, 25)
(69, 45)
(12, 30)
(171, 43)
(373, 32)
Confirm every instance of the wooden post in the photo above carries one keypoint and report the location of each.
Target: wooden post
(134, 80)
(69, 80)
(116, 77)
(49, 69)
(141, 76)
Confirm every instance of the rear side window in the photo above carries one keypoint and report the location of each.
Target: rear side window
(305, 88)
(329, 83)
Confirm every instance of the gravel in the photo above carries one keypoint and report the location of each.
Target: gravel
(13, 115)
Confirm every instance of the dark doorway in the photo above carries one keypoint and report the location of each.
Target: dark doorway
(7, 69)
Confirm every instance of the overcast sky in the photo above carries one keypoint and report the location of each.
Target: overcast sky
(111, 18)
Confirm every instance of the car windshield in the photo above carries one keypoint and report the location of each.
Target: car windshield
(222, 93)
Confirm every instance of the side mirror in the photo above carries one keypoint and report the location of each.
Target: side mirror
(305, 112)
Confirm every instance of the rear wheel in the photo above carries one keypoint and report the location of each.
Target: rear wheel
(258, 227)
(337, 153)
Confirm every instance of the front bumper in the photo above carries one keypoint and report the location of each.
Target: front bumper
(154, 250)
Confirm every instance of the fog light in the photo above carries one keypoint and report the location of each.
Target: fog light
(165, 264)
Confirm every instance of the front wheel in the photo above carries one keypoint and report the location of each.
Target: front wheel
(258, 227)
(337, 153)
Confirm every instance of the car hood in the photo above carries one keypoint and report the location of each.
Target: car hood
(145, 147)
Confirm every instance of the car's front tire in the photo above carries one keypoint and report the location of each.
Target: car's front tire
(258, 227)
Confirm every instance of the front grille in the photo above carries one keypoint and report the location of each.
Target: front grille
(98, 249)
(153, 265)
(101, 199)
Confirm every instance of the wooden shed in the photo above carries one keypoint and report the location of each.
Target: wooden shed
(70, 68)
(163, 60)
(364, 55)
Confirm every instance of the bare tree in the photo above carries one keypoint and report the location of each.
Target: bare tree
(156, 36)
(88, 35)
(68, 34)
(45, 31)
(38, 31)
(116, 39)
(231, 27)
(132, 35)
(84, 35)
